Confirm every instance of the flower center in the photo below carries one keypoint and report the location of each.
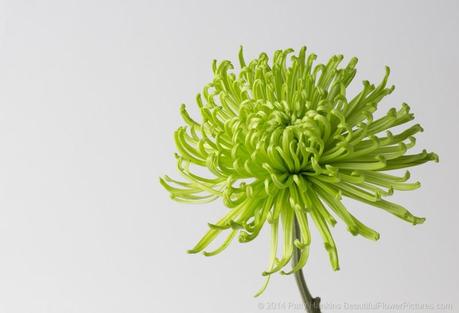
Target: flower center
(281, 140)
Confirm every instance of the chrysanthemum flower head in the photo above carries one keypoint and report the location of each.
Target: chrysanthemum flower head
(283, 143)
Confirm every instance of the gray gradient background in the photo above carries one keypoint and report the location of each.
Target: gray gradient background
(89, 97)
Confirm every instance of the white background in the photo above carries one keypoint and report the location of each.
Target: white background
(89, 98)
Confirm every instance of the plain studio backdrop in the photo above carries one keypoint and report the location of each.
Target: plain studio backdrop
(89, 99)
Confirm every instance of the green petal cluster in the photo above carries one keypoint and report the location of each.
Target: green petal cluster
(281, 143)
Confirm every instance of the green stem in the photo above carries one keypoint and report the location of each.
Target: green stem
(311, 304)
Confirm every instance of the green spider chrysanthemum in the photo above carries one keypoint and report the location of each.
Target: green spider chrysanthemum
(283, 143)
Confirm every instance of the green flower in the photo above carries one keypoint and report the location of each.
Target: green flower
(282, 143)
